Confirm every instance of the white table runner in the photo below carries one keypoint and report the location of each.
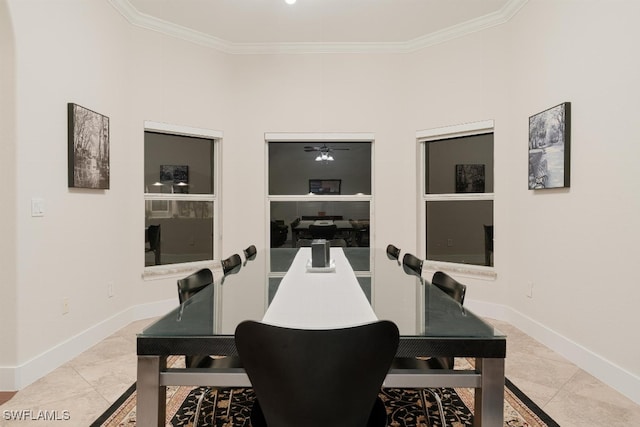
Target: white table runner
(309, 300)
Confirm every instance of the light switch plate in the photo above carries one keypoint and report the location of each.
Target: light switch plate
(37, 206)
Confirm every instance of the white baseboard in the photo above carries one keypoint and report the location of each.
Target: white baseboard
(609, 373)
(18, 377)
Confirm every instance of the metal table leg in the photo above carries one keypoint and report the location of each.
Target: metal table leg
(489, 398)
(151, 397)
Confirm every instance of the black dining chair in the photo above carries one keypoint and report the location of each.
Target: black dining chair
(393, 253)
(488, 244)
(317, 378)
(249, 254)
(153, 242)
(449, 286)
(231, 265)
(194, 283)
(279, 233)
(187, 288)
(412, 265)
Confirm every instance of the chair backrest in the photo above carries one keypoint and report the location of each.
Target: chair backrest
(153, 237)
(194, 283)
(393, 252)
(323, 231)
(450, 286)
(316, 378)
(488, 244)
(279, 233)
(250, 253)
(412, 265)
(231, 265)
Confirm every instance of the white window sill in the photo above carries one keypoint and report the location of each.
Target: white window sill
(465, 270)
(158, 272)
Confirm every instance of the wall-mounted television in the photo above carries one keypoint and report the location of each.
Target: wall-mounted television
(324, 186)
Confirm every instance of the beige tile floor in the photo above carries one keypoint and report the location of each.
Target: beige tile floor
(87, 385)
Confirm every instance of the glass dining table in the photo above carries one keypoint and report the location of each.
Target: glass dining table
(431, 325)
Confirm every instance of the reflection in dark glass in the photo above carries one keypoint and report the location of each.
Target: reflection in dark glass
(185, 231)
(365, 284)
(281, 258)
(459, 165)
(358, 258)
(292, 166)
(294, 221)
(177, 164)
(274, 283)
(456, 231)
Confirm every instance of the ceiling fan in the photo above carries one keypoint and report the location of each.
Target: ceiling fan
(324, 152)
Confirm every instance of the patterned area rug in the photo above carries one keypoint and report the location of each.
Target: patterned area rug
(231, 407)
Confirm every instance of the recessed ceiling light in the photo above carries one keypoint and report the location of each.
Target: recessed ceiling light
(290, 1)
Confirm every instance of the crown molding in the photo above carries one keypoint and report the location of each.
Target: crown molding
(134, 17)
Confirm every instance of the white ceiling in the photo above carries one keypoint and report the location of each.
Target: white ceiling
(395, 24)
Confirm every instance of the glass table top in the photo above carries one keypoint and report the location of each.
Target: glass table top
(419, 308)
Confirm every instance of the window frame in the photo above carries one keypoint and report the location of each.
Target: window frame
(436, 134)
(179, 269)
(328, 138)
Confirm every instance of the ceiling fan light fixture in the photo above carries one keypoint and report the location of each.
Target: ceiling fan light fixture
(324, 157)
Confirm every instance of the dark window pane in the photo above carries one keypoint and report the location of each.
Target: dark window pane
(350, 218)
(460, 165)
(358, 258)
(274, 284)
(456, 231)
(365, 284)
(177, 164)
(186, 231)
(281, 258)
(292, 166)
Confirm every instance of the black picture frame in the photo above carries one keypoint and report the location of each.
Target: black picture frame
(88, 148)
(470, 178)
(325, 186)
(549, 148)
(176, 176)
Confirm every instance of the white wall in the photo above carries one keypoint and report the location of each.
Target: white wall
(579, 246)
(66, 52)
(8, 168)
(572, 244)
(86, 53)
